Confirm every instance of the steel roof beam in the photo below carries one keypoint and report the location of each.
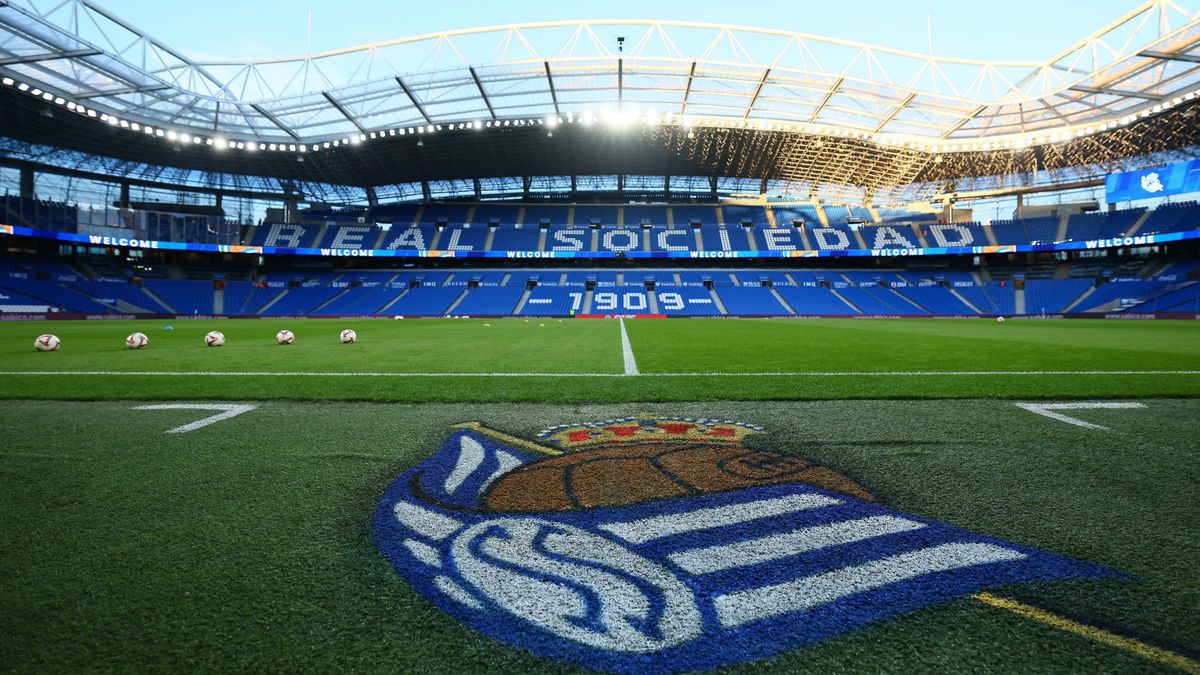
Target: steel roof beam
(479, 84)
(48, 56)
(275, 120)
(961, 123)
(1119, 92)
(345, 113)
(1166, 56)
(123, 91)
(758, 90)
(825, 100)
(553, 94)
(896, 111)
(620, 82)
(688, 90)
(413, 97)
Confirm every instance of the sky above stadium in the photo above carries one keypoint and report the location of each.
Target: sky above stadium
(1009, 30)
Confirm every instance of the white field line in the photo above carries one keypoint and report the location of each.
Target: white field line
(627, 352)
(1047, 410)
(230, 410)
(887, 373)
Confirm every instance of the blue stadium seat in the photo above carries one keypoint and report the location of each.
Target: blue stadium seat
(513, 238)
(185, 297)
(735, 214)
(490, 301)
(425, 301)
(1087, 226)
(750, 301)
(1178, 217)
(1051, 296)
(815, 300)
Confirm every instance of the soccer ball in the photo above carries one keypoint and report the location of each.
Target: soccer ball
(999, 319)
(214, 338)
(137, 341)
(46, 343)
(349, 336)
(285, 337)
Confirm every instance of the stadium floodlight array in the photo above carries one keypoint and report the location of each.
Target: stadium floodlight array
(624, 118)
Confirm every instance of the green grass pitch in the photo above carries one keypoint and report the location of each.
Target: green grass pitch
(246, 545)
(820, 359)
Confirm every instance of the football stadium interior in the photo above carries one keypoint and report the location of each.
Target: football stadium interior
(743, 348)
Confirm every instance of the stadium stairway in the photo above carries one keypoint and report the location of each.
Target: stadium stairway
(521, 302)
(841, 297)
(456, 302)
(964, 300)
(1079, 300)
(385, 308)
(717, 301)
(323, 305)
(219, 301)
(1137, 224)
(154, 296)
(263, 310)
(1020, 301)
(781, 301)
(1064, 221)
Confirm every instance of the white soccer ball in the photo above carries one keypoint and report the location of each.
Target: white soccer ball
(46, 343)
(999, 319)
(137, 341)
(349, 336)
(214, 338)
(285, 337)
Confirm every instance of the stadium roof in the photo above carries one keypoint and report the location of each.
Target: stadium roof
(863, 104)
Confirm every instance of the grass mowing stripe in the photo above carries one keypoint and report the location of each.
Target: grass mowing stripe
(893, 373)
(1157, 654)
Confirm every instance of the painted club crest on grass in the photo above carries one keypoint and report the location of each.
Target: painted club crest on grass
(667, 545)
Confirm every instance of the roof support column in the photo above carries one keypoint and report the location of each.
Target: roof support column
(372, 197)
(712, 187)
(425, 193)
(574, 186)
(478, 189)
(526, 185)
(27, 183)
(123, 200)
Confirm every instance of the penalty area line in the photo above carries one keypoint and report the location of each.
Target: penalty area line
(897, 373)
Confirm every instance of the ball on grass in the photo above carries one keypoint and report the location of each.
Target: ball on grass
(999, 319)
(215, 338)
(46, 343)
(349, 336)
(285, 337)
(137, 341)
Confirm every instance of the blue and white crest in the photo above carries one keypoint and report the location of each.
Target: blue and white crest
(676, 584)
